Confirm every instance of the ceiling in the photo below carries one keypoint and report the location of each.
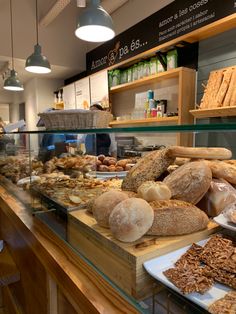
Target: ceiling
(57, 22)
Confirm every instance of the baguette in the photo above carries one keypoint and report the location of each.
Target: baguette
(175, 217)
(216, 84)
(231, 89)
(201, 152)
(223, 88)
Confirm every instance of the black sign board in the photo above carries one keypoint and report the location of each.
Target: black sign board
(178, 18)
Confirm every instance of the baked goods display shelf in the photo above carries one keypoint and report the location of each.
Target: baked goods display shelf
(215, 112)
(123, 262)
(144, 121)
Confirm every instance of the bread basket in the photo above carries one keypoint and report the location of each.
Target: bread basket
(75, 119)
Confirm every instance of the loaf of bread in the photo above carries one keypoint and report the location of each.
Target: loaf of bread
(217, 198)
(231, 89)
(201, 152)
(104, 204)
(189, 182)
(148, 168)
(154, 191)
(223, 87)
(222, 170)
(175, 217)
(131, 219)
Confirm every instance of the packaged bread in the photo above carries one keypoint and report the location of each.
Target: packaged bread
(148, 168)
(218, 197)
(104, 204)
(230, 212)
(176, 217)
(131, 219)
(222, 170)
(154, 191)
(189, 182)
(201, 152)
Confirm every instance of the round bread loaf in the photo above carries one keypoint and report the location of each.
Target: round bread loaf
(189, 182)
(176, 217)
(154, 191)
(104, 204)
(131, 219)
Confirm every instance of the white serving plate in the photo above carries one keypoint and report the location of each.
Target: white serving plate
(222, 221)
(119, 174)
(156, 266)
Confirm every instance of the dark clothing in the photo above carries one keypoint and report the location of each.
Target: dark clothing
(98, 144)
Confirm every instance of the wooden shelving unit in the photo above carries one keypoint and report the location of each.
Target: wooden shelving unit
(214, 112)
(139, 122)
(147, 80)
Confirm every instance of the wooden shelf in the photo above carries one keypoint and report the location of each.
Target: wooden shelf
(214, 112)
(147, 80)
(145, 121)
(8, 270)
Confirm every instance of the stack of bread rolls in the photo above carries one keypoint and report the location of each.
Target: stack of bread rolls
(110, 164)
(156, 201)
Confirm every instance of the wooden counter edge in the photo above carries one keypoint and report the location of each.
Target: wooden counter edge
(84, 287)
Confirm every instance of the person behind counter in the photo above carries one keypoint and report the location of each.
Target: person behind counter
(104, 144)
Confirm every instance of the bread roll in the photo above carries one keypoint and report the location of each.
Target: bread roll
(104, 204)
(103, 168)
(189, 182)
(148, 168)
(122, 163)
(131, 219)
(154, 191)
(175, 217)
(201, 152)
(222, 170)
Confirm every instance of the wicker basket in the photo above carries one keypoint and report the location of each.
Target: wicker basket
(75, 119)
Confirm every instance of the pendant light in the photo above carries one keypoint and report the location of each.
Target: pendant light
(12, 83)
(95, 24)
(37, 63)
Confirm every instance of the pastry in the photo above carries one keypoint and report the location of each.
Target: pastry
(154, 191)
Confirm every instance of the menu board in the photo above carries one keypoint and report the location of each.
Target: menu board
(99, 89)
(82, 91)
(69, 96)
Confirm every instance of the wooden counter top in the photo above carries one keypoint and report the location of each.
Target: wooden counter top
(85, 288)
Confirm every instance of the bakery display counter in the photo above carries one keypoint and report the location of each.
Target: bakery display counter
(93, 233)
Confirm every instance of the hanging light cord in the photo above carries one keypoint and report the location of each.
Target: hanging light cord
(37, 31)
(11, 35)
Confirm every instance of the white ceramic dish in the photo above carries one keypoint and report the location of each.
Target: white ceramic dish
(223, 222)
(28, 180)
(120, 174)
(156, 266)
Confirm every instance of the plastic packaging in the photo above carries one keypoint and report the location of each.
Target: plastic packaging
(146, 68)
(160, 66)
(135, 72)
(172, 59)
(116, 77)
(124, 77)
(129, 75)
(140, 70)
(153, 65)
(230, 212)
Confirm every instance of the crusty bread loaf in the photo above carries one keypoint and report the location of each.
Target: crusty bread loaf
(231, 89)
(131, 219)
(104, 204)
(148, 168)
(223, 87)
(154, 191)
(189, 182)
(222, 170)
(218, 197)
(201, 152)
(176, 217)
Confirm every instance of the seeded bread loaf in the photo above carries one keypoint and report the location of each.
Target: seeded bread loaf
(148, 168)
(175, 217)
(189, 182)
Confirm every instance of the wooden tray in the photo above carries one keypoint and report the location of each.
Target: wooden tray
(123, 262)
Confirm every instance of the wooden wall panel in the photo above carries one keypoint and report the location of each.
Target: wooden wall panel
(31, 291)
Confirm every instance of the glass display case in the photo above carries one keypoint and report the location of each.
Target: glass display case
(59, 175)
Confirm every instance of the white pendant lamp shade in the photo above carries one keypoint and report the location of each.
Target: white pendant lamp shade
(37, 63)
(95, 24)
(12, 83)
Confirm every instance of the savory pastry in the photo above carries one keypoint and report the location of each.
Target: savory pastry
(148, 168)
(175, 217)
(189, 182)
(131, 219)
(104, 204)
(225, 305)
(154, 191)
